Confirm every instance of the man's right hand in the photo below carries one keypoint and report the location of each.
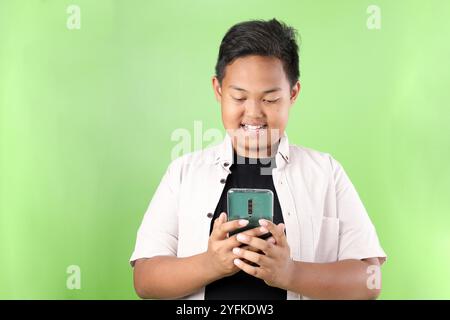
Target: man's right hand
(220, 245)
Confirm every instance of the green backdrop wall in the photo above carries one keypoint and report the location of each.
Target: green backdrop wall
(86, 117)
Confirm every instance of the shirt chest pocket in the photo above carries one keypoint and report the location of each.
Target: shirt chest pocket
(328, 244)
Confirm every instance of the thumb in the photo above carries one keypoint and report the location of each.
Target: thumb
(281, 227)
(223, 217)
(217, 223)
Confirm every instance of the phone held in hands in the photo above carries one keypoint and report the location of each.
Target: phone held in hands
(250, 204)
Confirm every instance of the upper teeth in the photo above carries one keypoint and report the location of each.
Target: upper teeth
(252, 127)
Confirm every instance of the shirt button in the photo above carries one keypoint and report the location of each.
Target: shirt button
(209, 215)
(223, 180)
(226, 164)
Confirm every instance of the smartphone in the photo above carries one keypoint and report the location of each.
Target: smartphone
(250, 204)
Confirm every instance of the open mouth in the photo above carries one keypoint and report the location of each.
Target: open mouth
(253, 128)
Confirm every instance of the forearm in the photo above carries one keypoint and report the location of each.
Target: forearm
(165, 277)
(345, 279)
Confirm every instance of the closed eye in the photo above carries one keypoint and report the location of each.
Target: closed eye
(270, 101)
(239, 99)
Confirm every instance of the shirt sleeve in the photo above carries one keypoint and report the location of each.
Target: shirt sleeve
(357, 236)
(158, 232)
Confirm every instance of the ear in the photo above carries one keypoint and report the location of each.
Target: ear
(295, 92)
(217, 88)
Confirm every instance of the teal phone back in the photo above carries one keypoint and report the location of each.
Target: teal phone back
(251, 204)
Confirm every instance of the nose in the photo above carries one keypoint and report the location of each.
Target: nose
(253, 109)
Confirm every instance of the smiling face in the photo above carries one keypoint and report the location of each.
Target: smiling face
(255, 96)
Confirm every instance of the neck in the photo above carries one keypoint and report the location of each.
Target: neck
(259, 153)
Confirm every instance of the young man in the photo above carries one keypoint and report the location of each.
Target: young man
(323, 244)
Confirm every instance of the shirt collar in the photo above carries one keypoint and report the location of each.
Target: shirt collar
(224, 154)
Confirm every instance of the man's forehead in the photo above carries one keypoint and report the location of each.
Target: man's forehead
(255, 74)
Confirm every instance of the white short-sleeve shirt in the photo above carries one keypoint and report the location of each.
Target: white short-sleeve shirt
(324, 217)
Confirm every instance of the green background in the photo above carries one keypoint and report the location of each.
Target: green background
(86, 118)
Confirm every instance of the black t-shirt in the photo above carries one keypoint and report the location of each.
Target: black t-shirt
(245, 173)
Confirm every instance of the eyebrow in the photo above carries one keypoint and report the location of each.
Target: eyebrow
(265, 91)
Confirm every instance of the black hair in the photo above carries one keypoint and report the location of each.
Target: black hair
(259, 37)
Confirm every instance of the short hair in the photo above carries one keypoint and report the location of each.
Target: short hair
(271, 38)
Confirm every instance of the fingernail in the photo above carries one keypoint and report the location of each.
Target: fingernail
(236, 251)
(237, 262)
(264, 230)
(242, 237)
(271, 240)
(243, 222)
(263, 222)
